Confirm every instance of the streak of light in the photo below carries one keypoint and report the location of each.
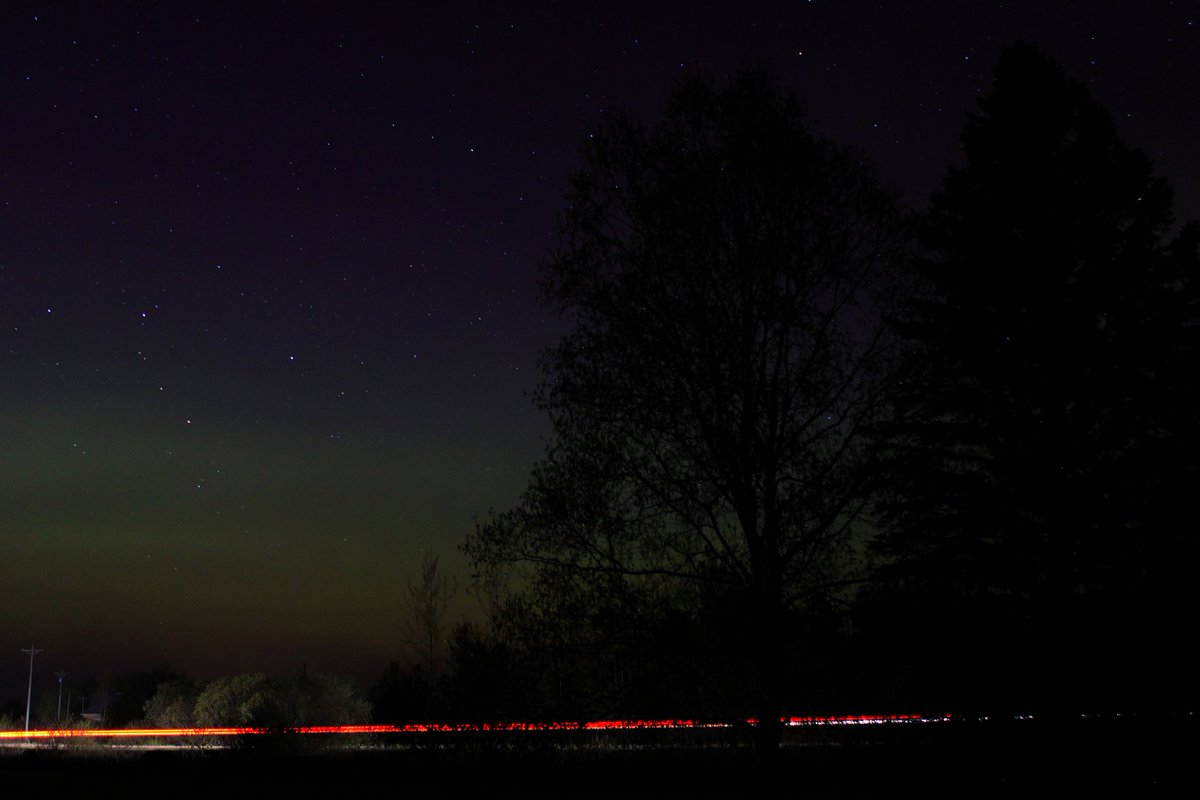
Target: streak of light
(594, 725)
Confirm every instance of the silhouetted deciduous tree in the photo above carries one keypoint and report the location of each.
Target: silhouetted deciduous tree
(252, 699)
(403, 695)
(262, 701)
(324, 698)
(486, 678)
(423, 607)
(173, 704)
(724, 272)
(123, 696)
(1050, 427)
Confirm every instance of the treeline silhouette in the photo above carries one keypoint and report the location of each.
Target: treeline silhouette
(814, 453)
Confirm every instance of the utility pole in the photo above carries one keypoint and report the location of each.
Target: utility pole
(58, 715)
(33, 651)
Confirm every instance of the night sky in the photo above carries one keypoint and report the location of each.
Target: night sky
(268, 302)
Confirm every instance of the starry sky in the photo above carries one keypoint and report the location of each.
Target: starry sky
(268, 303)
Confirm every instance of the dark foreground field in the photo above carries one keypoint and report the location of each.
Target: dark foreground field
(1132, 756)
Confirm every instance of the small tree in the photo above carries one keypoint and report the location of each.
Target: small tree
(423, 607)
(323, 698)
(485, 680)
(401, 695)
(173, 705)
(251, 700)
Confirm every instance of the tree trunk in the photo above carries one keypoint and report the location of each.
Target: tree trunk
(768, 662)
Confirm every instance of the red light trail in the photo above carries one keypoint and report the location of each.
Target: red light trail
(595, 725)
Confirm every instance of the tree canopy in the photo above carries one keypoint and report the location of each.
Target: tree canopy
(725, 273)
(1048, 425)
(762, 374)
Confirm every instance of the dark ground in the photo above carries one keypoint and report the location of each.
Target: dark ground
(1129, 756)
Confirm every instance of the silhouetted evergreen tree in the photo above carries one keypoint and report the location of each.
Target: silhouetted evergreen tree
(1048, 434)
